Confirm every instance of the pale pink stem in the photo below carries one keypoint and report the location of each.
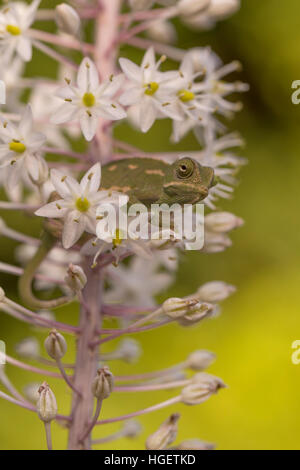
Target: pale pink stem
(105, 59)
(149, 375)
(159, 406)
(10, 387)
(8, 268)
(28, 406)
(48, 435)
(63, 41)
(66, 377)
(127, 147)
(49, 363)
(64, 152)
(15, 206)
(152, 387)
(35, 370)
(119, 331)
(124, 310)
(94, 420)
(110, 438)
(170, 51)
(37, 319)
(46, 15)
(165, 13)
(54, 55)
(19, 237)
(147, 15)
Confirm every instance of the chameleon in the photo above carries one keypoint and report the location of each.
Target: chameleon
(143, 180)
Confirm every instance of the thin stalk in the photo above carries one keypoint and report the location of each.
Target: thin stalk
(159, 406)
(48, 435)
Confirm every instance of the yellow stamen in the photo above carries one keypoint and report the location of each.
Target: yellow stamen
(89, 100)
(186, 95)
(17, 147)
(13, 30)
(118, 238)
(151, 88)
(82, 204)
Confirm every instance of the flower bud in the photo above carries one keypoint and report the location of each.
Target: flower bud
(46, 403)
(186, 311)
(162, 31)
(75, 278)
(165, 435)
(67, 19)
(103, 383)
(216, 242)
(200, 360)
(31, 391)
(2, 295)
(129, 350)
(195, 444)
(29, 348)
(192, 7)
(38, 171)
(200, 389)
(214, 292)
(222, 8)
(55, 345)
(222, 222)
(131, 429)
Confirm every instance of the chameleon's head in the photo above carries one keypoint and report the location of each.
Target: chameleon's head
(187, 182)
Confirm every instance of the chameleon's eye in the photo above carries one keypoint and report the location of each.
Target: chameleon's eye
(184, 168)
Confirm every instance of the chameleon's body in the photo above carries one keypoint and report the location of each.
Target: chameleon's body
(145, 181)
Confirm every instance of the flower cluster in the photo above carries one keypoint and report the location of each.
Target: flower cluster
(112, 275)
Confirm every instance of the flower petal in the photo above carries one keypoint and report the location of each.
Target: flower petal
(88, 126)
(73, 229)
(87, 78)
(91, 181)
(53, 210)
(131, 70)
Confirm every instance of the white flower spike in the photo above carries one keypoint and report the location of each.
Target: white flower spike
(89, 100)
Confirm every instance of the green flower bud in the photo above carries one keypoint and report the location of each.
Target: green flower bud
(103, 383)
(55, 345)
(46, 403)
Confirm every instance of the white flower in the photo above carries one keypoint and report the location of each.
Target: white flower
(78, 204)
(201, 99)
(15, 20)
(137, 283)
(89, 100)
(149, 90)
(19, 146)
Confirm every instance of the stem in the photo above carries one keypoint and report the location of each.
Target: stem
(66, 377)
(107, 25)
(159, 406)
(86, 361)
(25, 281)
(94, 420)
(48, 435)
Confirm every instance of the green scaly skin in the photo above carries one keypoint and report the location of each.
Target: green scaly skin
(145, 181)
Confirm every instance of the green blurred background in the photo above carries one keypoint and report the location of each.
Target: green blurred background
(253, 336)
